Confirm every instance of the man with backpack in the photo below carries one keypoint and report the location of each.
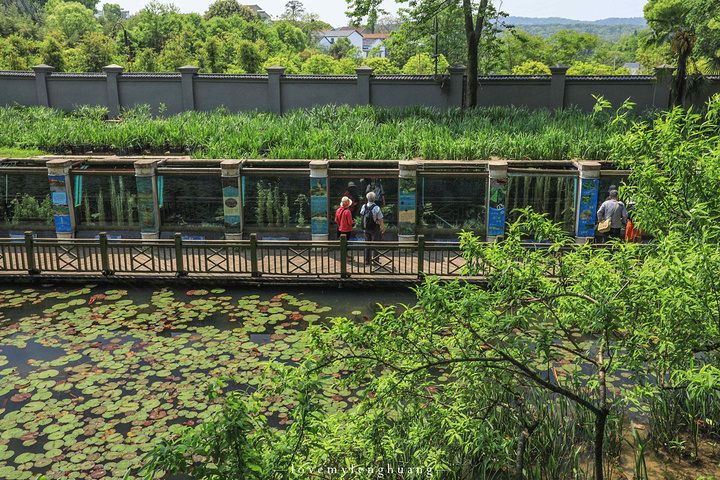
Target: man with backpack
(372, 224)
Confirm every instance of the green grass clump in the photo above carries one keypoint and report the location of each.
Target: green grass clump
(323, 132)
(12, 152)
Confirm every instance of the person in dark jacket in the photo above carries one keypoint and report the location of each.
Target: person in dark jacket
(353, 193)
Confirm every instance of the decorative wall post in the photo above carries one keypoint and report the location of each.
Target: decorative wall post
(496, 199)
(42, 71)
(457, 85)
(61, 195)
(231, 199)
(587, 200)
(188, 73)
(148, 204)
(407, 208)
(274, 92)
(557, 85)
(363, 84)
(113, 92)
(663, 85)
(319, 200)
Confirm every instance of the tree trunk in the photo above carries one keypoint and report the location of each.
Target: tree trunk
(522, 442)
(600, 420)
(680, 80)
(472, 74)
(473, 33)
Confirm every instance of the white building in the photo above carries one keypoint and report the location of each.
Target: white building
(364, 42)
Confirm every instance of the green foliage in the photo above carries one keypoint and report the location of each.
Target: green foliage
(330, 132)
(319, 64)
(424, 65)
(14, 52)
(382, 66)
(229, 8)
(249, 57)
(291, 63)
(72, 19)
(27, 209)
(229, 445)
(343, 48)
(690, 28)
(531, 68)
(292, 37)
(676, 182)
(584, 68)
(51, 53)
(480, 22)
(568, 46)
(96, 51)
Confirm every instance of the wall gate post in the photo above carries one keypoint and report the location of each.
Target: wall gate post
(113, 92)
(407, 208)
(61, 191)
(232, 199)
(496, 199)
(587, 201)
(148, 203)
(274, 90)
(557, 86)
(319, 199)
(42, 71)
(188, 73)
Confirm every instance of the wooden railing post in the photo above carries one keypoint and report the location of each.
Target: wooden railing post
(179, 262)
(253, 256)
(421, 255)
(343, 255)
(30, 254)
(104, 256)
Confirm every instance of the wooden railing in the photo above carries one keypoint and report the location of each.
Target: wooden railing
(250, 258)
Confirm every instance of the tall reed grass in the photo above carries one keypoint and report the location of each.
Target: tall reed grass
(323, 132)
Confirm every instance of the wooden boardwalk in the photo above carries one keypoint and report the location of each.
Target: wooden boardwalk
(248, 261)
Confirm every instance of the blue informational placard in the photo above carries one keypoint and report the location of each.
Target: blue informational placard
(496, 222)
(62, 224)
(59, 198)
(319, 226)
(588, 207)
(318, 204)
(407, 201)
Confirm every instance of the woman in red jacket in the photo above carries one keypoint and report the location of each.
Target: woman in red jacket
(344, 218)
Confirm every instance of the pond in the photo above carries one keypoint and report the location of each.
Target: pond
(92, 377)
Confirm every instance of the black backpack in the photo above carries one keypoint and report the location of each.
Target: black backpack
(368, 220)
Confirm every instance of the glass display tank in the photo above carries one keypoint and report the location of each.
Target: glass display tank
(552, 195)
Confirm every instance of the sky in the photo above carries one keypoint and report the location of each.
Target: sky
(333, 11)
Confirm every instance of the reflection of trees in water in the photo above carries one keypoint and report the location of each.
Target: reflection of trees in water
(554, 196)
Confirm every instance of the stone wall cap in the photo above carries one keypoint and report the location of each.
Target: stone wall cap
(43, 68)
(59, 162)
(113, 68)
(364, 70)
(189, 69)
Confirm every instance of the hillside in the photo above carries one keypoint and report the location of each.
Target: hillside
(609, 29)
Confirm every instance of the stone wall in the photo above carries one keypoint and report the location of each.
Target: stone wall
(172, 93)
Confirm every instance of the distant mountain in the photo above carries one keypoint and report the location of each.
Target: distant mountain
(640, 21)
(609, 29)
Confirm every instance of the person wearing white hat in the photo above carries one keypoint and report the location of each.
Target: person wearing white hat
(344, 218)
